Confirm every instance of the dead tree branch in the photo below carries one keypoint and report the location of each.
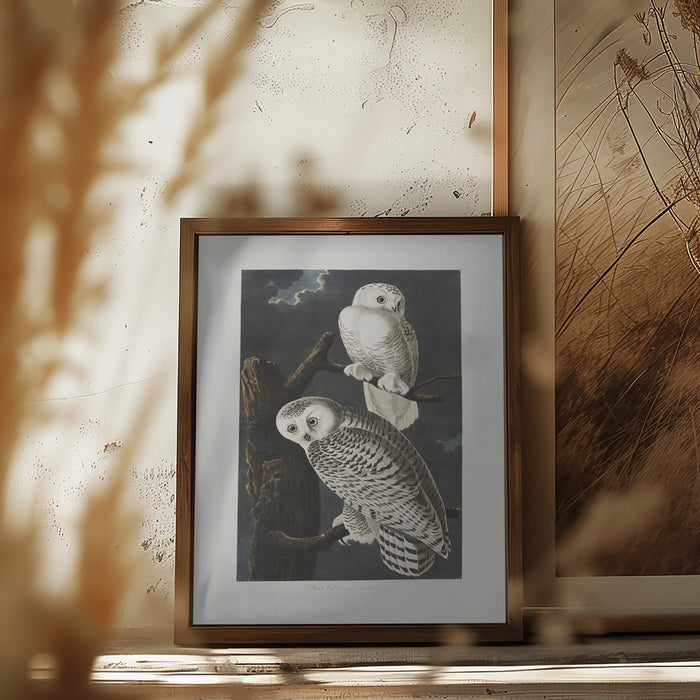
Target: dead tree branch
(317, 359)
(284, 544)
(301, 545)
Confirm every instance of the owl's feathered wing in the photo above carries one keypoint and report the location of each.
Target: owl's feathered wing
(382, 342)
(380, 475)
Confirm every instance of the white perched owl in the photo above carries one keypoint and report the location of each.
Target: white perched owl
(381, 343)
(388, 493)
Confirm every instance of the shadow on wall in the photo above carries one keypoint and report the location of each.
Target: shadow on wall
(59, 132)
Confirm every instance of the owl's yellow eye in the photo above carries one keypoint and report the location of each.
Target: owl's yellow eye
(291, 428)
(381, 300)
(398, 304)
(312, 422)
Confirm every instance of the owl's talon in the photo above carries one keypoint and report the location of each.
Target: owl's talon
(358, 371)
(338, 520)
(392, 383)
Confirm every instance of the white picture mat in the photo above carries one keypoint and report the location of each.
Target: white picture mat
(480, 596)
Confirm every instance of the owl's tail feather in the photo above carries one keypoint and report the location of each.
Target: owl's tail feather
(399, 411)
(402, 554)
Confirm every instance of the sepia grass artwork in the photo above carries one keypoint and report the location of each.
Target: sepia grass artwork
(628, 293)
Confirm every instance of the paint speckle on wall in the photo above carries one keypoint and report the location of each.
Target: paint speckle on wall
(111, 447)
(155, 492)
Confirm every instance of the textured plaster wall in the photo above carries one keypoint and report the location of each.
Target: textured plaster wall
(347, 108)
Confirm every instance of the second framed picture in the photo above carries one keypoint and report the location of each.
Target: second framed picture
(348, 447)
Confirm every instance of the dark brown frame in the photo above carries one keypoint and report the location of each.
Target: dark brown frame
(253, 635)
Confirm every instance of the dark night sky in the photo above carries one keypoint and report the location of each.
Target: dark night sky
(285, 333)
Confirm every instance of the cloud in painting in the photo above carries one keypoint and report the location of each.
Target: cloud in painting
(453, 444)
(310, 282)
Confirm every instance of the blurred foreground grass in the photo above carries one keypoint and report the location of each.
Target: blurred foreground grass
(61, 109)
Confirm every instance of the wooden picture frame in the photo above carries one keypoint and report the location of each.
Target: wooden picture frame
(638, 576)
(254, 284)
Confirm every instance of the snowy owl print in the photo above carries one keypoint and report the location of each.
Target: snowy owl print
(283, 315)
(387, 491)
(382, 345)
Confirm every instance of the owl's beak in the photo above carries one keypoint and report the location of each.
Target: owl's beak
(307, 437)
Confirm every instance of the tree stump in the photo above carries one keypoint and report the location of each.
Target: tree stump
(284, 487)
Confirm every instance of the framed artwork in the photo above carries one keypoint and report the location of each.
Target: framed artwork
(627, 295)
(359, 98)
(348, 449)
